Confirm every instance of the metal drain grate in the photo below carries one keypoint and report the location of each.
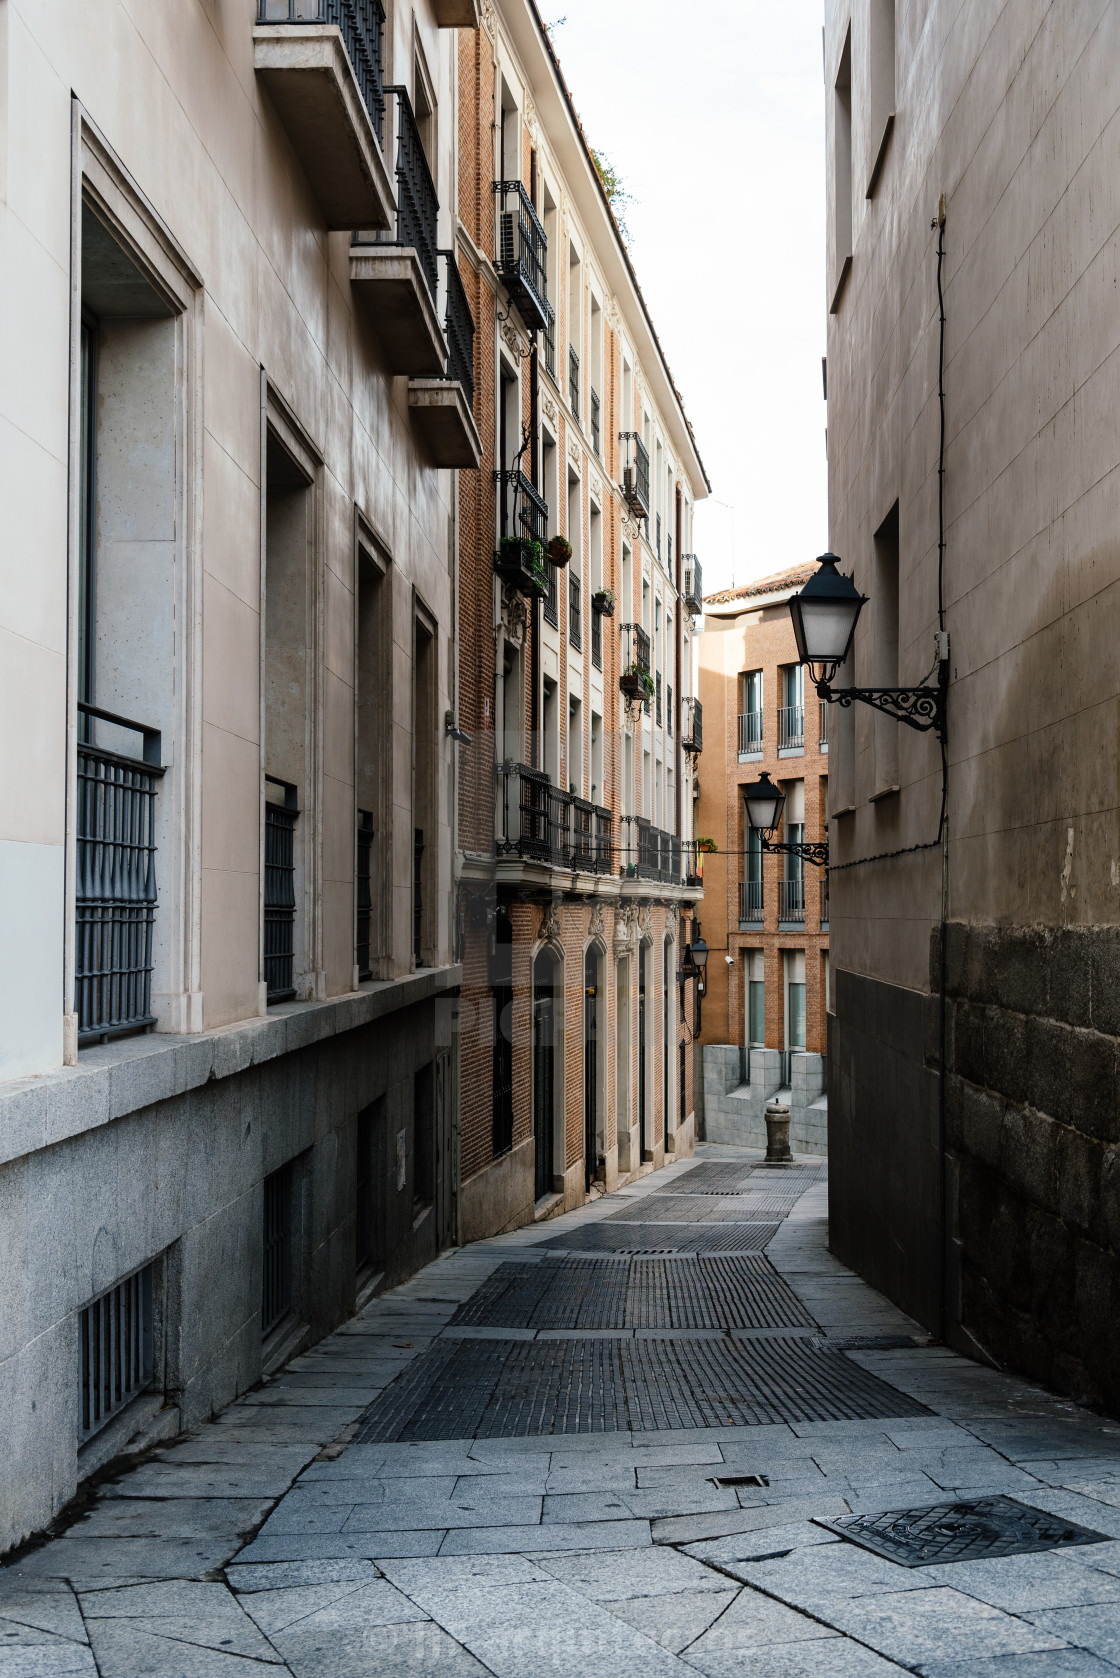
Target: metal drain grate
(640, 1292)
(868, 1342)
(505, 1389)
(626, 1237)
(704, 1209)
(713, 1178)
(975, 1531)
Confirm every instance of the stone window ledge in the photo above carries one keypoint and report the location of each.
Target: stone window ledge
(113, 1079)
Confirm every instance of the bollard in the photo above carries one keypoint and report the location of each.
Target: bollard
(777, 1134)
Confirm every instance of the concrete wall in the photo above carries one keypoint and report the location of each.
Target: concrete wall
(734, 1109)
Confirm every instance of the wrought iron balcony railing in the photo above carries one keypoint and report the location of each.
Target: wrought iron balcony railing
(824, 725)
(551, 599)
(693, 590)
(634, 678)
(360, 23)
(791, 901)
(750, 902)
(791, 728)
(115, 880)
(550, 339)
(280, 891)
(595, 430)
(692, 725)
(648, 853)
(575, 613)
(364, 895)
(417, 203)
(596, 636)
(522, 248)
(542, 823)
(523, 511)
(692, 863)
(635, 473)
(573, 381)
(750, 732)
(459, 329)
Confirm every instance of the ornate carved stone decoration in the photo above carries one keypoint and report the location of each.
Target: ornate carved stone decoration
(597, 490)
(487, 13)
(574, 451)
(550, 926)
(513, 338)
(597, 928)
(625, 926)
(532, 127)
(645, 920)
(517, 619)
(550, 408)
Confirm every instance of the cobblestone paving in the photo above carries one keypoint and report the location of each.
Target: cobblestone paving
(283, 1537)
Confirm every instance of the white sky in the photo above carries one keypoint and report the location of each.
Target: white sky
(713, 115)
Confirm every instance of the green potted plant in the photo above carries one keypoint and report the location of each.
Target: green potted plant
(602, 601)
(559, 550)
(520, 562)
(636, 682)
(708, 845)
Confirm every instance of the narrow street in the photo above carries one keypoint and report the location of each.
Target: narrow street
(597, 1446)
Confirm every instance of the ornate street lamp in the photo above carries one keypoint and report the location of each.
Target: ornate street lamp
(694, 966)
(824, 617)
(765, 803)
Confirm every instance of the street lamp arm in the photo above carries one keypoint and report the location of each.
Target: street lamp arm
(922, 708)
(817, 854)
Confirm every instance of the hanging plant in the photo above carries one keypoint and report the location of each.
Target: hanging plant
(559, 550)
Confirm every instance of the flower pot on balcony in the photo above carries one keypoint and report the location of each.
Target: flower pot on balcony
(603, 602)
(520, 563)
(636, 683)
(559, 550)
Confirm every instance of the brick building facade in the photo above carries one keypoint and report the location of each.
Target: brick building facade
(573, 807)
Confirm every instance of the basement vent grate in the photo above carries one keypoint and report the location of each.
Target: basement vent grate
(610, 1237)
(973, 1531)
(507, 1389)
(730, 1481)
(867, 1343)
(115, 1338)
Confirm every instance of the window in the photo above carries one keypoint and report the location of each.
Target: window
(882, 86)
(597, 788)
(575, 746)
(886, 650)
(276, 1281)
(794, 963)
(502, 982)
(756, 999)
(750, 714)
(791, 888)
(842, 173)
(372, 727)
(424, 851)
(791, 712)
(115, 1337)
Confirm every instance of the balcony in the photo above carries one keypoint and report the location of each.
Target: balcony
(649, 853)
(750, 734)
(115, 909)
(692, 863)
(519, 559)
(321, 63)
(397, 276)
(596, 436)
(692, 593)
(692, 726)
(281, 812)
(575, 613)
(550, 341)
(823, 886)
(573, 382)
(541, 823)
(443, 409)
(634, 678)
(750, 903)
(791, 728)
(521, 253)
(635, 474)
(824, 725)
(791, 903)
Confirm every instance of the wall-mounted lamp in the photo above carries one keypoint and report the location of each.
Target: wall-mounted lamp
(824, 616)
(765, 803)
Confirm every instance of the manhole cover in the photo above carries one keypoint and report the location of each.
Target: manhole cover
(973, 1531)
(505, 1389)
(647, 1292)
(628, 1236)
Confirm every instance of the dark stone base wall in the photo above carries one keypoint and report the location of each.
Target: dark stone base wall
(883, 1155)
(1033, 1127)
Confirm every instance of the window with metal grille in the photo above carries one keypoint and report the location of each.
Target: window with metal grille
(116, 1350)
(280, 893)
(276, 1284)
(551, 611)
(595, 438)
(596, 638)
(575, 631)
(364, 894)
(501, 975)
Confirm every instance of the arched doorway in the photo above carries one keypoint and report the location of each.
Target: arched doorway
(544, 1068)
(643, 962)
(591, 966)
(671, 1119)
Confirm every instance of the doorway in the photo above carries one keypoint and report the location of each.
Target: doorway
(544, 1069)
(590, 1063)
(643, 1145)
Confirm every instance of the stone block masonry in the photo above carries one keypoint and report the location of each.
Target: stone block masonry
(1033, 1132)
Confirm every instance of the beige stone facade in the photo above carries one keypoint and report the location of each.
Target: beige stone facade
(227, 651)
(573, 806)
(979, 1199)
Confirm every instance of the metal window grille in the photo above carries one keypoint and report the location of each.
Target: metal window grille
(459, 324)
(116, 883)
(573, 380)
(280, 893)
(824, 726)
(657, 525)
(522, 251)
(692, 725)
(692, 593)
(575, 627)
(550, 340)
(523, 510)
(669, 707)
(750, 901)
(360, 23)
(417, 203)
(418, 895)
(750, 731)
(635, 473)
(657, 698)
(276, 1283)
(116, 1350)
(596, 638)
(364, 894)
(595, 429)
(551, 602)
(791, 727)
(791, 900)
